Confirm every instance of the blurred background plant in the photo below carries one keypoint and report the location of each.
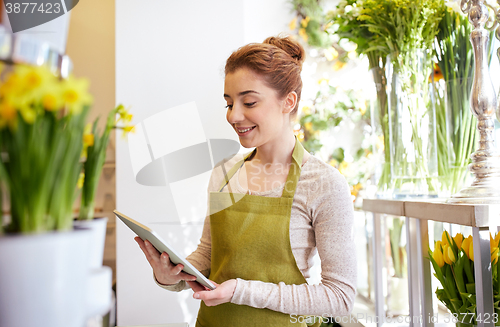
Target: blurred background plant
(331, 108)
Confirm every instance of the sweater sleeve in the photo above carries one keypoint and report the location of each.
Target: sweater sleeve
(331, 210)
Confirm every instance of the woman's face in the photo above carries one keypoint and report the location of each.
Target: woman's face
(254, 110)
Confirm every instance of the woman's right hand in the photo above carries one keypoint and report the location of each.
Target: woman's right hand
(166, 273)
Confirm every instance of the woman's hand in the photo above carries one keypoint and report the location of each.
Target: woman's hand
(222, 294)
(166, 273)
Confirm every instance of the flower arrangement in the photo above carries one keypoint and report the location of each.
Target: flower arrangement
(403, 28)
(42, 119)
(94, 152)
(453, 263)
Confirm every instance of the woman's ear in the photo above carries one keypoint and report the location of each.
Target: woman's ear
(290, 102)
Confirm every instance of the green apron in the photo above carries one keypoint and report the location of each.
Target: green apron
(251, 241)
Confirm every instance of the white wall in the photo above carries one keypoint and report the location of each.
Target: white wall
(169, 53)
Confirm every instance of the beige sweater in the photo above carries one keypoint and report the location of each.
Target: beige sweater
(321, 220)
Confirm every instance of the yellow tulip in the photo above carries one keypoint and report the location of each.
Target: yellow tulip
(458, 240)
(451, 255)
(494, 255)
(493, 243)
(444, 237)
(466, 245)
(438, 246)
(445, 254)
(497, 238)
(437, 255)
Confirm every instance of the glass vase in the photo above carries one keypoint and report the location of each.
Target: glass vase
(456, 133)
(412, 125)
(380, 138)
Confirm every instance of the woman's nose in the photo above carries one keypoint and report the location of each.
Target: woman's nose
(235, 115)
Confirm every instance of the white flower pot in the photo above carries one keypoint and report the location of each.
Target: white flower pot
(43, 279)
(96, 248)
(98, 297)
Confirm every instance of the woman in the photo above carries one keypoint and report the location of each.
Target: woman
(269, 210)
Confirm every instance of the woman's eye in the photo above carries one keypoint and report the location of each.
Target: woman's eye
(250, 104)
(229, 106)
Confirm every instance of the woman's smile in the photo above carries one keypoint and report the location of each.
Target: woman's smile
(244, 130)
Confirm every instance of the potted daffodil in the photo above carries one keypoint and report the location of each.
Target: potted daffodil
(43, 260)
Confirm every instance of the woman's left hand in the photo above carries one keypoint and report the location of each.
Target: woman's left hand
(222, 294)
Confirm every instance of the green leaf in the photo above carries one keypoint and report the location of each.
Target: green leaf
(338, 154)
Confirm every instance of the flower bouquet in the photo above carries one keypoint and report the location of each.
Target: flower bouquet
(406, 29)
(453, 263)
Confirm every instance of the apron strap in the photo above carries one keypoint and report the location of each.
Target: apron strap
(293, 174)
(232, 171)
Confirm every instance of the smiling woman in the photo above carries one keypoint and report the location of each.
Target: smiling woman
(290, 205)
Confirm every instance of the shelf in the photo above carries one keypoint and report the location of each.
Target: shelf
(481, 217)
(474, 215)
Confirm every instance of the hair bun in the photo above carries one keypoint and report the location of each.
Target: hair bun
(289, 45)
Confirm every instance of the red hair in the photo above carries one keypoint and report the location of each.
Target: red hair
(278, 59)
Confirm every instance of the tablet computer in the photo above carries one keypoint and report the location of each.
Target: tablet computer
(145, 233)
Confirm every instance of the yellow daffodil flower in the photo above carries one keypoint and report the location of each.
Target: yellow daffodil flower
(466, 245)
(437, 255)
(344, 167)
(75, 93)
(88, 140)
(293, 24)
(7, 111)
(301, 135)
(304, 22)
(458, 240)
(306, 110)
(338, 65)
(331, 54)
(303, 34)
